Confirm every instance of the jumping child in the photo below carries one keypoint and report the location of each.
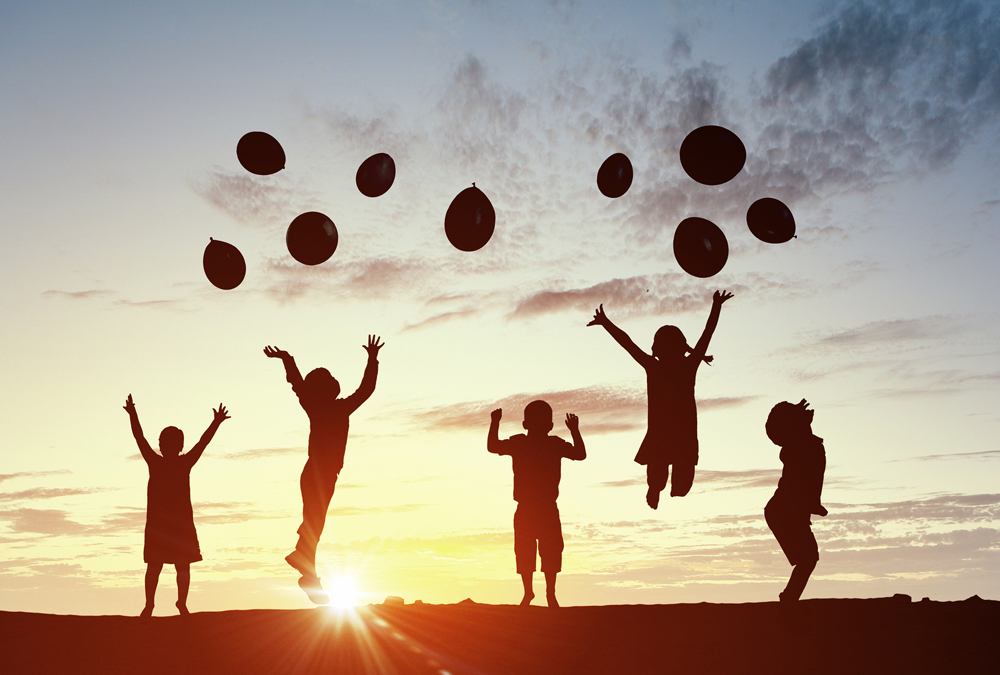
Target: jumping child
(672, 432)
(170, 536)
(537, 459)
(328, 427)
(800, 487)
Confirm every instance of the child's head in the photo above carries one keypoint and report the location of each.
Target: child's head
(322, 383)
(669, 341)
(171, 441)
(538, 417)
(789, 422)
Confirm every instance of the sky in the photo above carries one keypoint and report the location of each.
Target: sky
(877, 123)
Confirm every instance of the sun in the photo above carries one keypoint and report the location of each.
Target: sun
(343, 592)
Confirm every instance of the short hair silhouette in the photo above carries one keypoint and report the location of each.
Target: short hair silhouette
(320, 382)
(784, 422)
(171, 441)
(538, 414)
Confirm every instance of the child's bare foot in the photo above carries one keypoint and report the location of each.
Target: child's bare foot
(314, 589)
(528, 597)
(300, 563)
(550, 597)
(653, 498)
(147, 612)
(182, 608)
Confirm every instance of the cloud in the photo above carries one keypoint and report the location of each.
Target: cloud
(261, 453)
(364, 278)
(30, 474)
(602, 409)
(78, 295)
(882, 87)
(256, 201)
(41, 521)
(876, 333)
(48, 493)
(984, 455)
(376, 510)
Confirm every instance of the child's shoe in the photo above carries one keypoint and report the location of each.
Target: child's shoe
(301, 564)
(314, 589)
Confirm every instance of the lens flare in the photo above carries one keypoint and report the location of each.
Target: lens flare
(343, 592)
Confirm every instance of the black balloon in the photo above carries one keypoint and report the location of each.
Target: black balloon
(770, 221)
(260, 153)
(712, 155)
(375, 175)
(224, 264)
(700, 247)
(311, 238)
(470, 220)
(615, 176)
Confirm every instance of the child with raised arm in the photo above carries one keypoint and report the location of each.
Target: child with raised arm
(329, 417)
(672, 430)
(170, 536)
(800, 489)
(537, 458)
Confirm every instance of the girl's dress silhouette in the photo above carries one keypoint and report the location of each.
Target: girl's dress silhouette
(170, 536)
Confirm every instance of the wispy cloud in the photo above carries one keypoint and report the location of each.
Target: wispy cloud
(78, 295)
(47, 493)
(31, 474)
(261, 453)
(256, 201)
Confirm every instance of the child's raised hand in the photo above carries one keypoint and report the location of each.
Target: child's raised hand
(721, 297)
(373, 345)
(129, 405)
(496, 415)
(275, 353)
(600, 318)
(572, 422)
(221, 414)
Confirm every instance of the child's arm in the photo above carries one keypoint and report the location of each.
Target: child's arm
(818, 507)
(573, 424)
(713, 320)
(620, 336)
(367, 386)
(493, 442)
(140, 440)
(220, 415)
(292, 373)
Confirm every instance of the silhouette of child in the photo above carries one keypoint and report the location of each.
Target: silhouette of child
(672, 431)
(537, 458)
(799, 489)
(170, 536)
(328, 427)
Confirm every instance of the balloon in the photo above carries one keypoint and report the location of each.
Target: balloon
(375, 175)
(470, 220)
(311, 238)
(224, 264)
(770, 221)
(260, 153)
(615, 176)
(700, 247)
(712, 155)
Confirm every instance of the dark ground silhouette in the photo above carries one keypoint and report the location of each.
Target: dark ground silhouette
(329, 423)
(885, 636)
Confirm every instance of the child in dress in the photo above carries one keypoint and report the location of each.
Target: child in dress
(328, 426)
(170, 536)
(800, 488)
(672, 432)
(537, 458)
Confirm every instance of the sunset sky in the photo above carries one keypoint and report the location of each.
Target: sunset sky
(878, 123)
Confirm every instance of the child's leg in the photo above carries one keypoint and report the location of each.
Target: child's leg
(656, 478)
(529, 592)
(797, 582)
(317, 490)
(550, 550)
(525, 549)
(152, 579)
(682, 480)
(550, 589)
(183, 585)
